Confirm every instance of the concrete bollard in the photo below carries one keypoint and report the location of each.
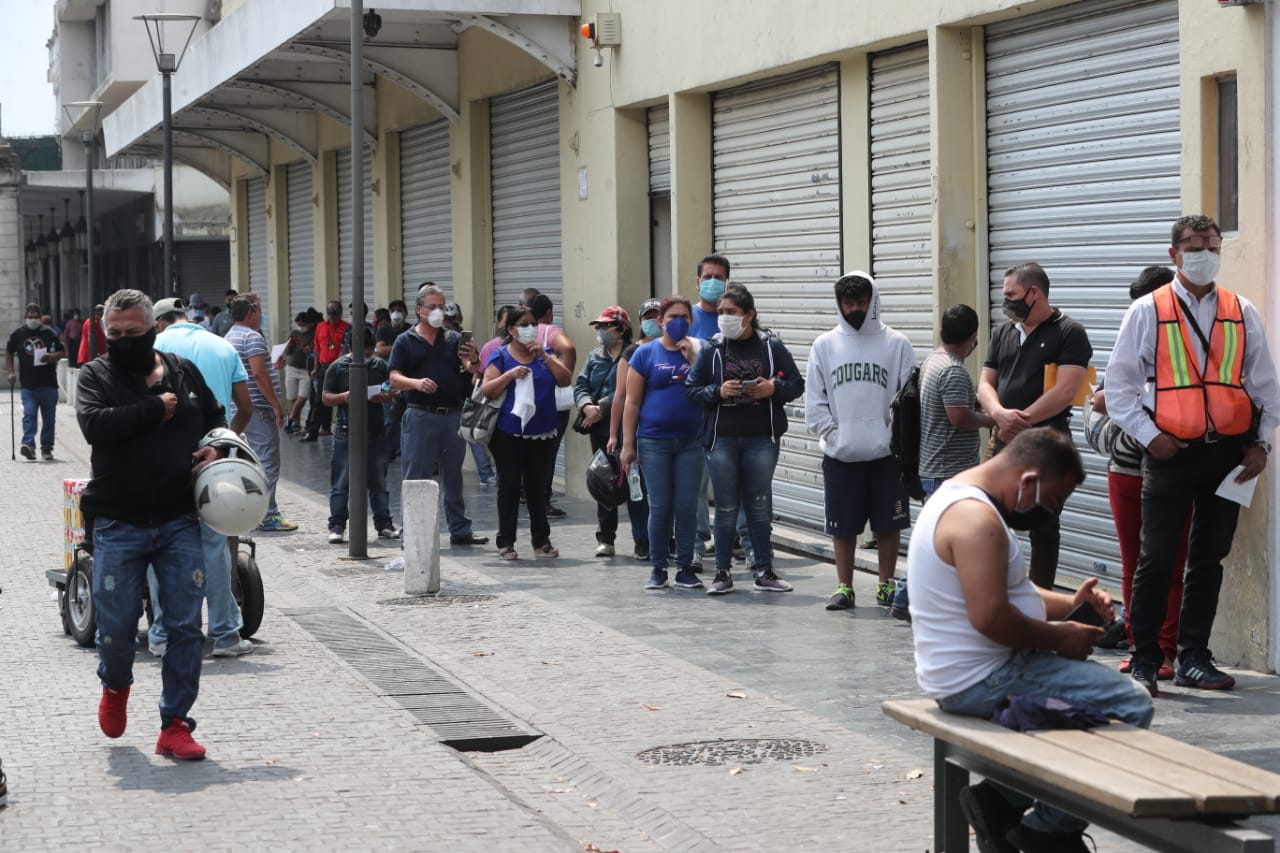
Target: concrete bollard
(420, 519)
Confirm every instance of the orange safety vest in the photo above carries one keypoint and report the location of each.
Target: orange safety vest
(1188, 404)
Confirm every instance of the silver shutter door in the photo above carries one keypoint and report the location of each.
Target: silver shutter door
(659, 122)
(426, 226)
(302, 260)
(256, 191)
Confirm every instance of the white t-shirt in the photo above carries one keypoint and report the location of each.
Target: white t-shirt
(951, 654)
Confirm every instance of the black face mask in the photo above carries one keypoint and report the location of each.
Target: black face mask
(855, 318)
(136, 354)
(1017, 310)
(1025, 519)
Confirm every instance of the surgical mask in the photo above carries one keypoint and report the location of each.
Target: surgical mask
(33, 323)
(134, 355)
(1017, 310)
(1200, 268)
(435, 318)
(711, 289)
(397, 317)
(526, 334)
(730, 326)
(651, 328)
(606, 338)
(1031, 517)
(677, 328)
(855, 318)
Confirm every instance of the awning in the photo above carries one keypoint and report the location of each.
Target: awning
(268, 68)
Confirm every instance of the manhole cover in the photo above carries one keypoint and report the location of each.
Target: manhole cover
(713, 753)
(435, 599)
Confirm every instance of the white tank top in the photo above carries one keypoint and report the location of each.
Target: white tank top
(952, 655)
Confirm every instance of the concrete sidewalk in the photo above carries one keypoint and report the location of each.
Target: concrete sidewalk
(311, 747)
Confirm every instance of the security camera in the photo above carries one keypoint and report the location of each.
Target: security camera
(372, 23)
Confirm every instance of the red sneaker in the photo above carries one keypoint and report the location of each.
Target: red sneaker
(113, 711)
(175, 740)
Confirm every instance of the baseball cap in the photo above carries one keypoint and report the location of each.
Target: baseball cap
(614, 314)
(650, 305)
(168, 306)
(196, 301)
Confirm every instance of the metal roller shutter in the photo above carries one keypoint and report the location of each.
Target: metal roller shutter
(203, 267)
(659, 121)
(776, 206)
(345, 233)
(1083, 150)
(426, 220)
(255, 190)
(302, 258)
(524, 131)
(901, 193)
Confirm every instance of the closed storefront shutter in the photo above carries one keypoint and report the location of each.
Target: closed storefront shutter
(1083, 150)
(255, 190)
(345, 232)
(203, 267)
(659, 121)
(776, 186)
(426, 224)
(302, 258)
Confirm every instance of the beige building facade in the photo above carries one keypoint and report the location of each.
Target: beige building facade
(931, 142)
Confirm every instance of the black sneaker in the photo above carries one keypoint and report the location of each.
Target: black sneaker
(990, 815)
(721, 585)
(28, 452)
(554, 511)
(641, 552)
(1196, 669)
(843, 598)
(1145, 673)
(1029, 840)
(47, 455)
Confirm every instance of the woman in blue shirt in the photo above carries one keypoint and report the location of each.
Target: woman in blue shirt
(524, 441)
(660, 427)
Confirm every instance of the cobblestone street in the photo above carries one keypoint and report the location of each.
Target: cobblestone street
(315, 742)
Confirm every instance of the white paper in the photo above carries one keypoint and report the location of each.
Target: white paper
(523, 406)
(374, 390)
(277, 352)
(1241, 493)
(37, 355)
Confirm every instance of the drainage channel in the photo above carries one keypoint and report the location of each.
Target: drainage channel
(458, 717)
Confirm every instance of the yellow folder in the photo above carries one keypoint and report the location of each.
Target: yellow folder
(1090, 379)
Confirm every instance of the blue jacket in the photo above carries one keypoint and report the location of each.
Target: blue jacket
(595, 384)
(703, 384)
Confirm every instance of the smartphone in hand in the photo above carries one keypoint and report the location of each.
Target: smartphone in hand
(467, 337)
(1086, 613)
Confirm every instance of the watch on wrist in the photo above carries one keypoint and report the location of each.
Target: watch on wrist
(1265, 445)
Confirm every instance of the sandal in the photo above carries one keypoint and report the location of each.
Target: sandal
(507, 553)
(546, 551)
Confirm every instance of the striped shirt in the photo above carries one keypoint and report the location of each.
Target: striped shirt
(944, 450)
(249, 343)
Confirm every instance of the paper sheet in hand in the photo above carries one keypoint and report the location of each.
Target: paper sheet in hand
(38, 354)
(374, 390)
(277, 352)
(1241, 493)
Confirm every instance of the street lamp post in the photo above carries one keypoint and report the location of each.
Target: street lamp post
(88, 136)
(158, 25)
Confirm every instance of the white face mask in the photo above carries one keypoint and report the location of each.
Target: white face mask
(1201, 268)
(730, 326)
(33, 323)
(397, 317)
(527, 334)
(435, 318)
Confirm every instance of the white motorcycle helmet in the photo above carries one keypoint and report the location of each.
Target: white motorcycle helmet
(231, 492)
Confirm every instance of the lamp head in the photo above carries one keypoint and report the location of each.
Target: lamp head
(372, 22)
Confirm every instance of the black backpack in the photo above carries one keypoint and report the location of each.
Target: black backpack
(904, 433)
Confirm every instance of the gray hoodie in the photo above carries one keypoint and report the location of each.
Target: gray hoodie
(853, 375)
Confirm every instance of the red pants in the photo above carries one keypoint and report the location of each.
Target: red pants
(1125, 492)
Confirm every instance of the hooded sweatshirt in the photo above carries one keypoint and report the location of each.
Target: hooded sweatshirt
(852, 378)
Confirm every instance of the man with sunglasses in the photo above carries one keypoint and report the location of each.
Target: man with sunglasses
(1190, 378)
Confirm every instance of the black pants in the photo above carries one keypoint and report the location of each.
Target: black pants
(555, 451)
(1170, 489)
(606, 519)
(521, 461)
(319, 415)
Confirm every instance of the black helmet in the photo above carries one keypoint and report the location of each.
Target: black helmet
(606, 482)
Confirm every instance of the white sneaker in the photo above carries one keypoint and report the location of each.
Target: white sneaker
(242, 647)
(157, 650)
(335, 537)
(605, 549)
(389, 532)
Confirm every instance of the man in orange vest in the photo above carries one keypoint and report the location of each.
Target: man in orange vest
(1190, 378)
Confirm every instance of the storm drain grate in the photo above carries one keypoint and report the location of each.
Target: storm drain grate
(410, 600)
(714, 753)
(458, 717)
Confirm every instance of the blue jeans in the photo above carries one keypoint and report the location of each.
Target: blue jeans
(930, 485)
(45, 402)
(340, 480)
(1029, 671)
(742, 477)
(673, 470)
(264, 437)
(480, 455)
(225, 621)
(428, 439)
(121, 553)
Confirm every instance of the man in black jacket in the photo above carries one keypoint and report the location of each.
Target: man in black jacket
(144, 413)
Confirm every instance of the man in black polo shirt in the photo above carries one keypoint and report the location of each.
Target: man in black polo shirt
(37, 349)
(432, 366)
(1013, 390)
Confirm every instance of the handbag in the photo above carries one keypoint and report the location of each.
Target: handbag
(479, 417)
(580, 425)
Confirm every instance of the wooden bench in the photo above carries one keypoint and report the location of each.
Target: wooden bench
(1153, 789)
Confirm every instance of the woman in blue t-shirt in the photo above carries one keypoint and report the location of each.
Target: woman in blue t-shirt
(523, 442)
(661, 426)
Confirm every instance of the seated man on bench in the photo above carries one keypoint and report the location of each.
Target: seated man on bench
(981, 627)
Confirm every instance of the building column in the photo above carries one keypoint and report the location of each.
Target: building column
(13, 290)
(691, 190)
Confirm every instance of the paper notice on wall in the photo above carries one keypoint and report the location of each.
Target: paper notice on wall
(1241, 493)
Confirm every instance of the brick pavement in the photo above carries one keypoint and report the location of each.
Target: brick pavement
(306, 753)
